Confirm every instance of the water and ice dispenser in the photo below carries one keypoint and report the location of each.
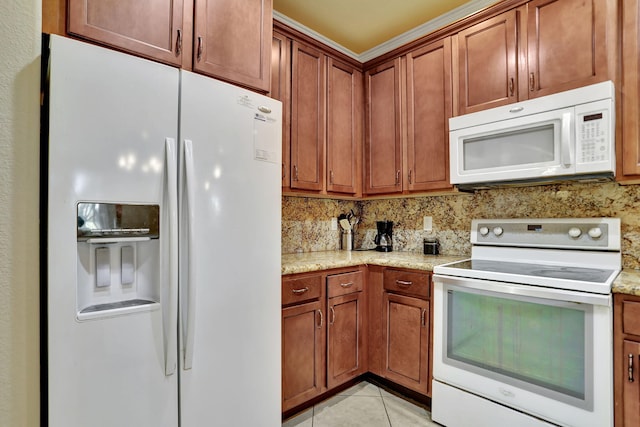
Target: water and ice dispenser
(118, 259)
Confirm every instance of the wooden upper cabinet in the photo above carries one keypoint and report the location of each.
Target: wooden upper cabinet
(487, 66)
(628, 150)
(307, 117)
(344, 127)
(153, 29)
(281, 90)
(383, 143)
(429, 108)
(232, 41)
(567, 44)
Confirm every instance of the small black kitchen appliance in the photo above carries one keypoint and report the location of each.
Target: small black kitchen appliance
(384, 238)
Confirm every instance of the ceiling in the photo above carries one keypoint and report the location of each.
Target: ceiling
(361, 25)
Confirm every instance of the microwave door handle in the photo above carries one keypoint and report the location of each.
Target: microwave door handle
(565, 148)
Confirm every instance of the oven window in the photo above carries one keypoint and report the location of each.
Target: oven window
(534, 344)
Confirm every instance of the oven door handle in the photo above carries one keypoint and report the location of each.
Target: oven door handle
(526, 290)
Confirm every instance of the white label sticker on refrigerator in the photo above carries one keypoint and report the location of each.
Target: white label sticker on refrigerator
(245, 101)
(265, 141)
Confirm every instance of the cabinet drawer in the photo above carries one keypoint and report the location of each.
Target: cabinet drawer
(631, 317)
(342, 284)
(406, 282)
(296, 290)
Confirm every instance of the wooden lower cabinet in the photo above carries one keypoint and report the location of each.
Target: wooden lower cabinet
(303, 339)
(345, 338)
(626, 362)
(406, 321)
(302, 353)
(339, 324)
(406, 338)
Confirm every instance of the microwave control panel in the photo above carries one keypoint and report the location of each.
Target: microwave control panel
(594, 134)
(593, 138)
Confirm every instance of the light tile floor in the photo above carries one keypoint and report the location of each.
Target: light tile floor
(366, 405)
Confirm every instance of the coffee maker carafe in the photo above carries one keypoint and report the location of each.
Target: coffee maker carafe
(383, 239)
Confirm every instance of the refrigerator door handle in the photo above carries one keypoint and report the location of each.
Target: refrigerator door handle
(170, 254)
(188, 312)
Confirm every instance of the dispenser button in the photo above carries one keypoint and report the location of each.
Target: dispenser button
(103, 267)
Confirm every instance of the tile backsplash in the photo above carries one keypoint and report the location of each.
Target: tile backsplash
(306, 222)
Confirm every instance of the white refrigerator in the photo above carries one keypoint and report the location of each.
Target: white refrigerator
(161, 291)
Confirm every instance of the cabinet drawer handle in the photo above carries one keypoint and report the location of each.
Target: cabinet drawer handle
(321, 319)
(333, 316)
(423, 317)
(404, 283)
(200, 47)
(300, 291)
(346, 285)
(511, 86)
(179, 43)
(630, 368)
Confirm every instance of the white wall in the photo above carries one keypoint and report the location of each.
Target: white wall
(20, 26)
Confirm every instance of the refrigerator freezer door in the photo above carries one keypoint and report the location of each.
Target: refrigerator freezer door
(109, 115)
(234, 259)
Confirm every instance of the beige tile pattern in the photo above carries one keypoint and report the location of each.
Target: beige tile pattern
(363, 405)
(306, 221)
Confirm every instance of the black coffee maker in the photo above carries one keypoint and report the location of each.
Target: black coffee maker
(383, 240)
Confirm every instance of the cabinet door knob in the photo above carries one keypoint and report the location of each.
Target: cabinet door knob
(630, 368)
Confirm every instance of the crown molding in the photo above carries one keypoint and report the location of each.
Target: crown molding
(421, 30)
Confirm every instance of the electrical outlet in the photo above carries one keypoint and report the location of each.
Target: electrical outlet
(334, 224)
(427, 223)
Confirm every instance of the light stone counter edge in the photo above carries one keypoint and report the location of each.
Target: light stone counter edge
(627, 282)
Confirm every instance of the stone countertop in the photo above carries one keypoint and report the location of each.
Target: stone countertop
(627, 282)
(316, 261)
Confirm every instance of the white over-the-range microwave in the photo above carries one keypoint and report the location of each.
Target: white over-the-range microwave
(568, 135)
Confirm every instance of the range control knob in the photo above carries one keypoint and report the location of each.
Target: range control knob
(498, 231)
(484, 231)
(595, 232)
(575, 232)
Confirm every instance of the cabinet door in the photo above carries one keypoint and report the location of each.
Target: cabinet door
(281, 90)
(628, 150)
(345, 338)
(566, 45)
(344, 127)
(487, 69)
(383, 144)
(428, 113)
(631, 389)
(302, 353)
(307, 117)
(407, 341)
(148, 28)
(233, 41)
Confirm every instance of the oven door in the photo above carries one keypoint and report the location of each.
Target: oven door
(542, 351)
